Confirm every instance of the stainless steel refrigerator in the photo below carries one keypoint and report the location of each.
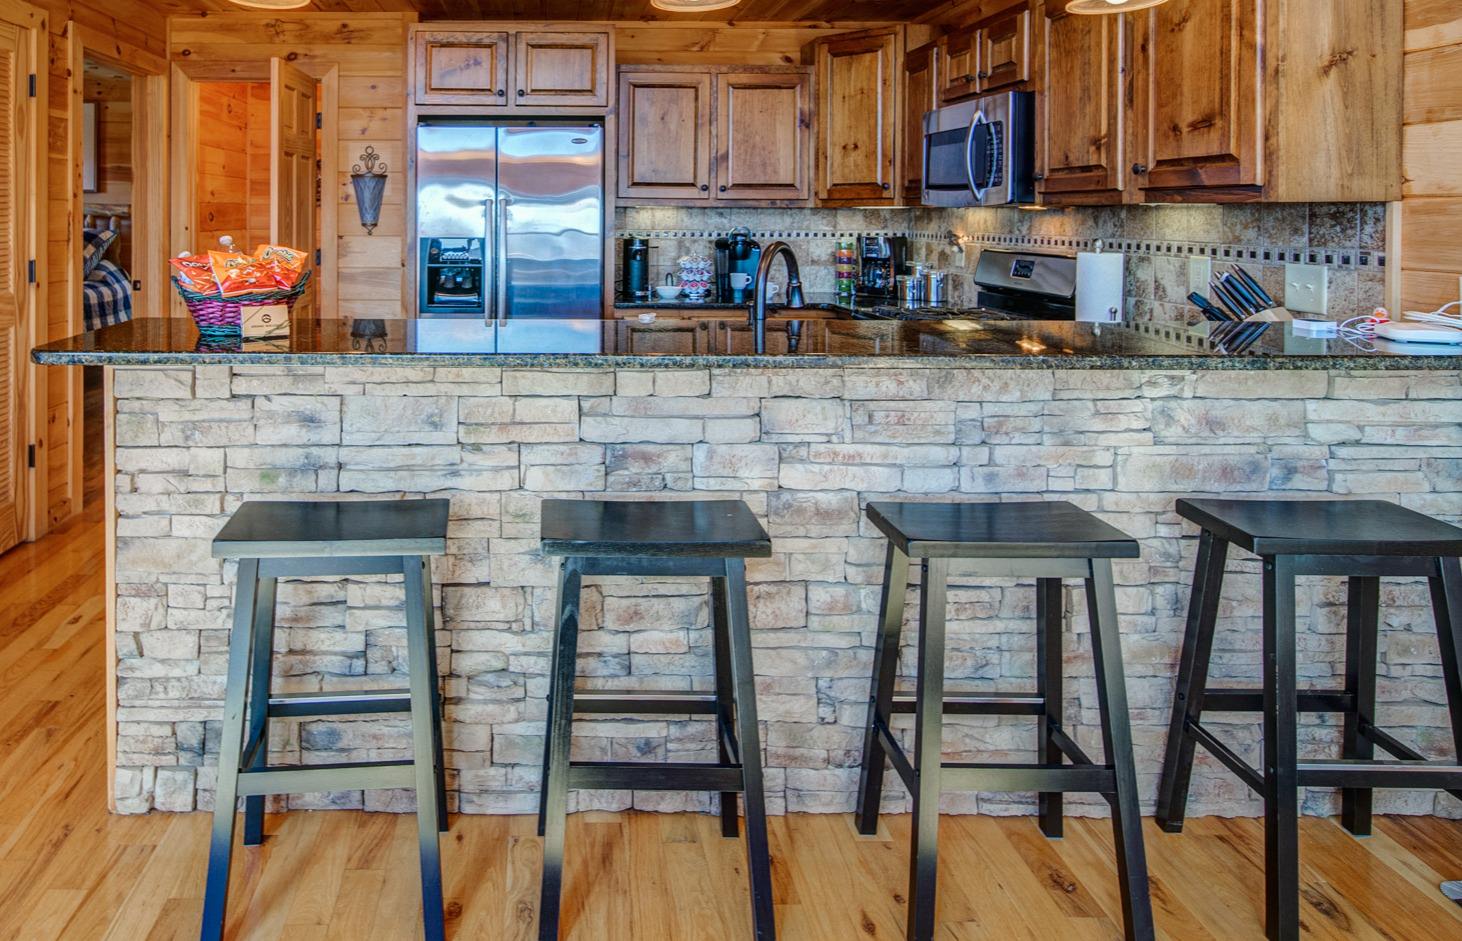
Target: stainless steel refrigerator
(510, 218)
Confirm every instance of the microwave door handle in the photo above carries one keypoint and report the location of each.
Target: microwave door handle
(975, 187)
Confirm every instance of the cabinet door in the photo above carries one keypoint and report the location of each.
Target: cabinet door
(958, 63)
(920, 96)
(762, 135)
(461, 67)
(665, 135)
(562, 69)
(1082, 123)
(856, 142)
(1004, 52)
(1200, 125)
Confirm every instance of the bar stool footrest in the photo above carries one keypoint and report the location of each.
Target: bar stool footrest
(648, 702)
(995, 704)
(312, 779)
(1252, 700)
(651, 776)
(1370, 773)
(338, 703)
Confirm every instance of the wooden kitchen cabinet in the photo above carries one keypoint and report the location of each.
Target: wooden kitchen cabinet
(920, 95)
(857, 142)
(762, 130)
(1083, 110)
(959, 58)
(717, 135)
(498, 66)
(665, 147)
(1005, 52)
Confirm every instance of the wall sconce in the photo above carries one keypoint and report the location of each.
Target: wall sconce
(370, 185)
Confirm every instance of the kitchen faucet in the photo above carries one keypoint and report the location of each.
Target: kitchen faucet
(764, 271)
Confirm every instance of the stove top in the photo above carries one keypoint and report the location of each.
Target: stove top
(899, 312)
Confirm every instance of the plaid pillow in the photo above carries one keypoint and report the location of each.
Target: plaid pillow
(97, 241)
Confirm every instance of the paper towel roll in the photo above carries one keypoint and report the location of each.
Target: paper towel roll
(1099, 286)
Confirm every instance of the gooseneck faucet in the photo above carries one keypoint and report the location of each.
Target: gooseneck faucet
(764, 272)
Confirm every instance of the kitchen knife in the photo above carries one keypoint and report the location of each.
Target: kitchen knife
(1254, 286)
(1205, 305)
(1227, 299)
(1236, 284)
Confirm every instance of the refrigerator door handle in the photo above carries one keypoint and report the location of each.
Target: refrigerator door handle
(500, 255)
(489, 268)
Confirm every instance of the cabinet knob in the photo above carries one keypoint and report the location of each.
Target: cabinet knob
(1038, 177)
(723, 189)
(1139, 168)
(706, 187)
(885, 186)
(968, 79)
(521, 93)
(982, 75)
(502, 93)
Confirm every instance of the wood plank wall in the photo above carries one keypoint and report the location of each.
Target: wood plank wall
(1431, 205)
(233, 164)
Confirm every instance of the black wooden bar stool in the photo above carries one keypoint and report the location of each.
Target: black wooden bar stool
(274, 540)
(1046, 541)
(1361, 539)
(695, 538)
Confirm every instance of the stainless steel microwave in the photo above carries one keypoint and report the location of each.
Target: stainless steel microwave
(981, 152)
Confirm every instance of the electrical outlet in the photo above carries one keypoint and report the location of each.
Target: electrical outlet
(1200, 272)
(1306, 288)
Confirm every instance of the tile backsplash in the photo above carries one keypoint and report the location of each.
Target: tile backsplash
(1347, 237)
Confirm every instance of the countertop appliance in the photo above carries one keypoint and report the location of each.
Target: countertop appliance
(636, 268)
(981, 152)
(520, 206)
(1011, 286)
(882, 259)
(736, 254)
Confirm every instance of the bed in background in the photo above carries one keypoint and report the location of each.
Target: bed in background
(106, 288)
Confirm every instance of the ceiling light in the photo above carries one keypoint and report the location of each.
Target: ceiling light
(1109, 6)
(272, 4)
(692, 6)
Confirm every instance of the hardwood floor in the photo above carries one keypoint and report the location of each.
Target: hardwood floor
(69, 870)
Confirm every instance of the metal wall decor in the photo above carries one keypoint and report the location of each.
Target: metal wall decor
(369, 179)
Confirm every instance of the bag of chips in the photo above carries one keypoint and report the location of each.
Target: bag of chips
(289, 263)
(195, 272)
(238, 274)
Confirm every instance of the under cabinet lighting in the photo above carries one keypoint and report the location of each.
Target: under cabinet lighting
(1109, 6)
(692, 6)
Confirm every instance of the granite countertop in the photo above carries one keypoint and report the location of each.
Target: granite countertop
(710, 342)
(812, 300)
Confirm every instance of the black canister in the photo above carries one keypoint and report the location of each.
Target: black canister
(636, 267)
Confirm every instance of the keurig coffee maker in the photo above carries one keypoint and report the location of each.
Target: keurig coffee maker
(636, 268)
(738, 254)
(881, 259)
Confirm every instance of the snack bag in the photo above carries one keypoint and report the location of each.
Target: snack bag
(285, 256)
(195, 272)
(238, 274)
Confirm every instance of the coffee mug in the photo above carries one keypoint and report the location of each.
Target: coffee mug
(740, 280)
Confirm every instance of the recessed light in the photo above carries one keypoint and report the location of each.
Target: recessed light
(272, 4)
(692, 6)
(1109, 6)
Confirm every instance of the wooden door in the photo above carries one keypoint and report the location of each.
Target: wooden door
(958, 63)
(561, 69)
(1201, 121)
(762, 135)
(1004, 52)
(1082, 123)
(461, 67)
(16, 292)
(665, 135)
(293, 211)
(920, 95)
(857, 88)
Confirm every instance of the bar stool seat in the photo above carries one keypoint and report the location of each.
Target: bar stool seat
(283, 539)
(1047, 541)
(1362, 540)
(678, 538)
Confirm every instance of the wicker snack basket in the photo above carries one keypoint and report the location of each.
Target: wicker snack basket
(220, 317)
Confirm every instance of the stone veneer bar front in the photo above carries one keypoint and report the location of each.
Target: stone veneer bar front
(805, 448)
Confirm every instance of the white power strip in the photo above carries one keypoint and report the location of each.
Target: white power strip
(1418, 333)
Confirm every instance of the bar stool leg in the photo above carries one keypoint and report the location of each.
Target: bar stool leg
(261, 685)
(438, 739)
(1281, 790)
(1049, 668)
(1101, 600)
(1177, 768)
(1363, 603)
(548, 719)
(424, 755)
(928, 737)
(559, 737)
(880, 692)
(758, 848)
(230, 752)
(1446, 589)
(725, 698)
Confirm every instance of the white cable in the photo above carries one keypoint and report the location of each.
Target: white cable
(1439, 316)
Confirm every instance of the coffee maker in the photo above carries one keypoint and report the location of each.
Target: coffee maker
(736, 253)
(881, 259)
(636, 268)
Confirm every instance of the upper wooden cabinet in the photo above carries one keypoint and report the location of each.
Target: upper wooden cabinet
(959, 58)
(1082, 113)
(986, 56)
(857, 93)
(501, 67)
(920, 96)
(715, 135)
(461, 67)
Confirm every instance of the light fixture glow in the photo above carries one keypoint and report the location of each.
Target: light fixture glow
(1099, 7)
(272, 4)
(692, 6)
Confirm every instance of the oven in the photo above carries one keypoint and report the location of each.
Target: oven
(981, 152)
